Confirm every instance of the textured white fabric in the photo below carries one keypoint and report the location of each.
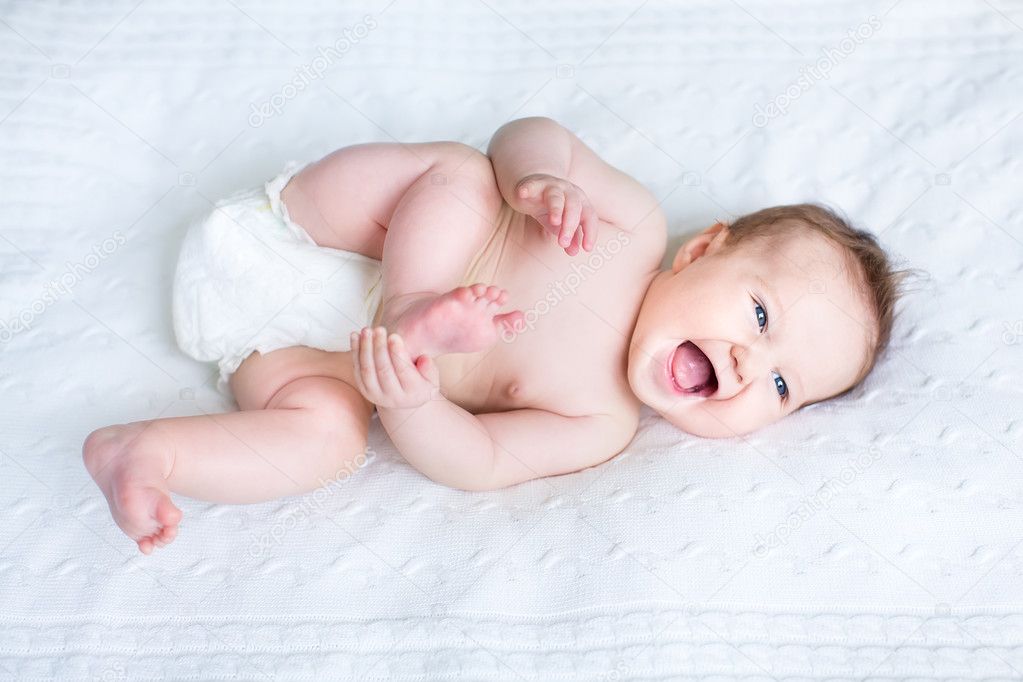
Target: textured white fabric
(249, 278)
(876, 536)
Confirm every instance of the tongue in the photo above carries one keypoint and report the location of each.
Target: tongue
(691, 367)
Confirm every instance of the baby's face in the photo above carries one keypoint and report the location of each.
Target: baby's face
(771, 324)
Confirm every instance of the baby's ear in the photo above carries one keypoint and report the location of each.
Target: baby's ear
(708, 241)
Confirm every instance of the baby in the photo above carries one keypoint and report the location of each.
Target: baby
(505, 314)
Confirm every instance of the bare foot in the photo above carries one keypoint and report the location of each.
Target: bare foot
(464, 320)
(132, 475)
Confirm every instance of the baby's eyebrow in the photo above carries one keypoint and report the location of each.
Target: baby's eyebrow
(770, 294)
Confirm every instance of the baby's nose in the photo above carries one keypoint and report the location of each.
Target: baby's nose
(748, 362)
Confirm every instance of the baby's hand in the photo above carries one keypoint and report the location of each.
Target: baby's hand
(385, 373)
(562, 208)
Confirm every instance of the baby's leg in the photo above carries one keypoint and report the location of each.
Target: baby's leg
(425, 210)
(346, 199)
(312, 429)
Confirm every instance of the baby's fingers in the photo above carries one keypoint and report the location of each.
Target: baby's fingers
(590, 224)
(353, 340)
(407, 374)
(528, 186)
(407, 371)
(555, 204)
(570, 221)
(386, 376)
(365, 371)
(577, 239)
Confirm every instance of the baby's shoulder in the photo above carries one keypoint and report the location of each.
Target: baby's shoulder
(644, 239)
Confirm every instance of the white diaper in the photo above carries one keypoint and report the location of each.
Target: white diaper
(249, 279)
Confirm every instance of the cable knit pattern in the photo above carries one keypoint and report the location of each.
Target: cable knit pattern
(877, 536)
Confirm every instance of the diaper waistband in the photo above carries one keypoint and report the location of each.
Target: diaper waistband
(274, 187)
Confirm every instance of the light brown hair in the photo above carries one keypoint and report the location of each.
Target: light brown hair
(880, 281)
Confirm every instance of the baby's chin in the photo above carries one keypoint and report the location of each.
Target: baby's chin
(694, 415)
(721, 419)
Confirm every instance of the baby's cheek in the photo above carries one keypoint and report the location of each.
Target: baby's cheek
(738, 416)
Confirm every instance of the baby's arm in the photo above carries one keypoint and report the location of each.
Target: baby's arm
(494, 450)
(474, 452)
(540, 146)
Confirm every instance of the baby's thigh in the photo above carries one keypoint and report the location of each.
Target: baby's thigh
(346, 199)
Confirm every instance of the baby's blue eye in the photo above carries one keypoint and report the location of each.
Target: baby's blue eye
(761, 314)
(779, 384)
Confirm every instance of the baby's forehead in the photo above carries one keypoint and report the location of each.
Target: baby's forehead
(805, 255)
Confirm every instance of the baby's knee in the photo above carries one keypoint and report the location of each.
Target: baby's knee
(342, 434)
(333, 408)
(469, 170)
(342, 417)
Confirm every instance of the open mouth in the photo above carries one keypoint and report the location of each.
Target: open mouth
(691, 371)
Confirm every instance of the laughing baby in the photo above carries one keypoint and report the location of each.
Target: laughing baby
(505, 314)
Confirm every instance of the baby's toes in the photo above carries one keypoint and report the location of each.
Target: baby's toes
(513, 321)
(164, 536)
(478, 290)
(169, 533)
(465, 294)
(131, 509)
(167, 514)
(492, 297)
(160, 538)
